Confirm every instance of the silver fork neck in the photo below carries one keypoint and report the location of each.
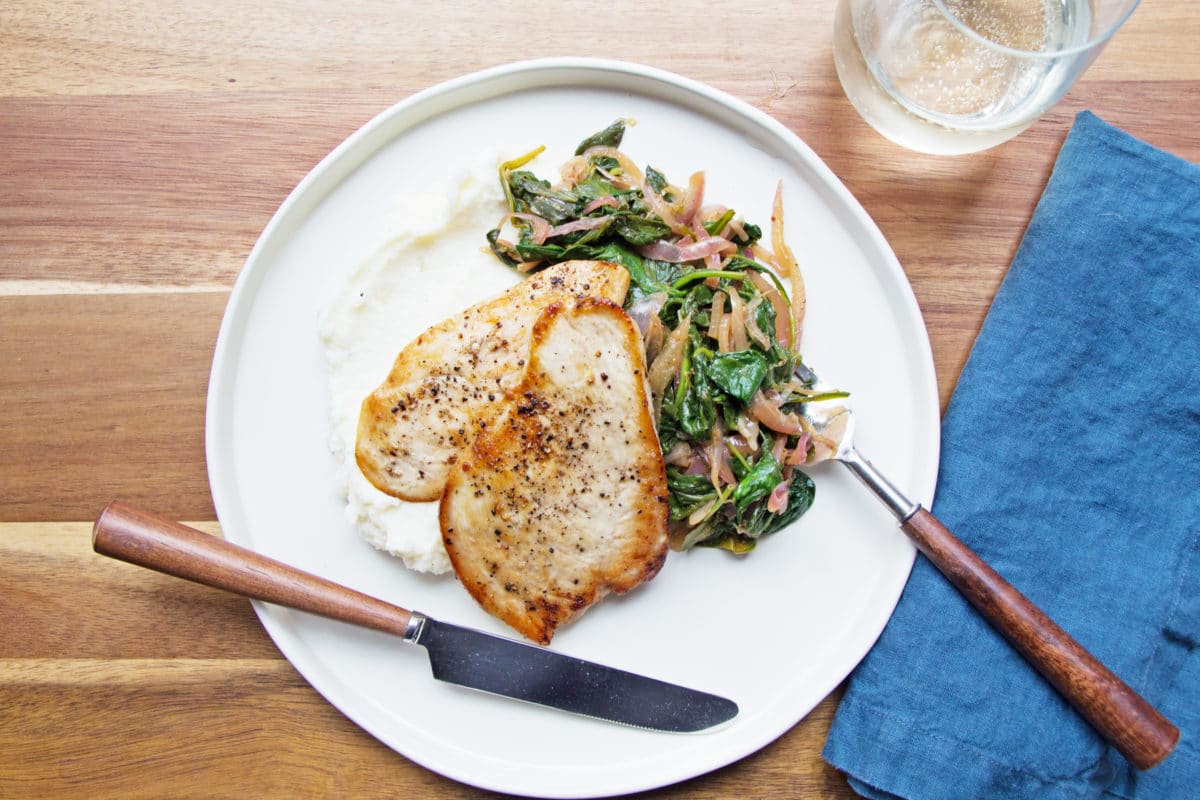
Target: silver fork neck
(892, 497)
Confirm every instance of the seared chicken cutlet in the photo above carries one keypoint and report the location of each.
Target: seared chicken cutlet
(562, 498)
(445, 383)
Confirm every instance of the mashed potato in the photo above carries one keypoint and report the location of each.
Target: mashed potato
(433, 266)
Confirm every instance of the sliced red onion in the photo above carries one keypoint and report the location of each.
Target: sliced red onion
(652, 339)
(748, 429)
(735, 229)
(541, 228)
(676, 254)
(783, 253)
(782, 313)
(680, 455)
(738, 444)
(630, 175)
(713, 212)
(738, 340)
(778, 501)
(800, 454)
(752, 329)
(768, 414)
(822, 451)
(584, 224)
(575, 171)
(718, 459)
(646, 307)
(724, 345)
(788, 267)
(715, 315)
(695, 198)
(601, 202)
(664, 211)
(663, 368)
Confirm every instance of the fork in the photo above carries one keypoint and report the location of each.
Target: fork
(1123, 717)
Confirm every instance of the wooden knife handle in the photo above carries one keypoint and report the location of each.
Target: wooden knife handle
(139, 537)
(1143, 735)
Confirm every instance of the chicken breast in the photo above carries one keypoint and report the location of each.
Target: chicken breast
(562, 498)
(448, 379)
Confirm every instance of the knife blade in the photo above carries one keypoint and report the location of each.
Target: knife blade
(463, 656)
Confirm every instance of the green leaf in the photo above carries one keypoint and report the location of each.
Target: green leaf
(697, 412)
(717, 225)
(764, 318)
(801, 493)
(693, 303)
(552, 252)
(755, 520)
(665, 273)
(534, 196)
(693, 488)
(633, 264)
(609, 137)
(762, 478)
(639, 231)
(596, 186)
(686, 493)
(739, 373)
(656, 180)
(668, 431)
(740, 264)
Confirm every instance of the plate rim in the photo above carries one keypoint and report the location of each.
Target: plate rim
(430, 103)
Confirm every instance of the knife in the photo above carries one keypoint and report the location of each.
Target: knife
(458, 655)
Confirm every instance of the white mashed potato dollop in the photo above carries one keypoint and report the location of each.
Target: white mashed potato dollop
(431, 266)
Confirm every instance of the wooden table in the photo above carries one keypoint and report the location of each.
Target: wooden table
(143, 147)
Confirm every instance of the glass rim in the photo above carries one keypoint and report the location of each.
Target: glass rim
(1092, 42)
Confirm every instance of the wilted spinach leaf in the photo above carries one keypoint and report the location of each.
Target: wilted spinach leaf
(687, 492)
(534, 196)
(739, 373)
(764, 476)
(696, 410)
(656, 181)
(801, 493)
(609, 137)
(755, 520)
(634, 264)
(639, 231)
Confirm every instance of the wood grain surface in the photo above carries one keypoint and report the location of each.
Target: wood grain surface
(144, 147)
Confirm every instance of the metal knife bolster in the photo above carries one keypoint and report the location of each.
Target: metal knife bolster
(416, 627)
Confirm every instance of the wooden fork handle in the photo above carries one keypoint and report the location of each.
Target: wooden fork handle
(139, 537)
(1122, 716)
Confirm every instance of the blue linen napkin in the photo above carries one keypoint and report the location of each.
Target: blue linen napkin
(1071, 463)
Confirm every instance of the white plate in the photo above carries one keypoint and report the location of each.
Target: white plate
(776, 631)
